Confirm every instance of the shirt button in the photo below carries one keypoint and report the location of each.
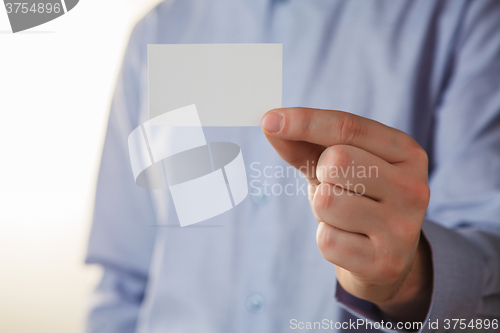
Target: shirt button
(256, 303)
(260, 196)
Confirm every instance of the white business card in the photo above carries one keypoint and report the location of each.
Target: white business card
(230, 84)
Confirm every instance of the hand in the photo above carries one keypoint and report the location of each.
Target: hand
(369, 224)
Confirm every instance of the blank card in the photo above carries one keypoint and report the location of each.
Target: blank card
(230, 84)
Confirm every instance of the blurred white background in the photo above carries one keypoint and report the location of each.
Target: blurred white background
(56, 82)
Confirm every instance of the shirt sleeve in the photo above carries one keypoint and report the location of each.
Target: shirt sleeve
(463, 218)
(122, 239)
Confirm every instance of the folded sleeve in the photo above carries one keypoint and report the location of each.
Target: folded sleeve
(465, 287)
(463, 218)
(122, 239)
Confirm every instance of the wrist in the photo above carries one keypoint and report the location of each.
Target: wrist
(412, 299)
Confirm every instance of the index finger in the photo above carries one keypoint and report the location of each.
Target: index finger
(329, 127)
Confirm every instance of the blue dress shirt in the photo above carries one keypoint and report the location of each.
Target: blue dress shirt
(429, 68)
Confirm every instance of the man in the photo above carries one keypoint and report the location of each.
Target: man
(420, 80)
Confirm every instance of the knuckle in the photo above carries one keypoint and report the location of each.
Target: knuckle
(415, 151)
(338, 156)
(420, 155)
(415, 193)
(323, 199)
(325, 240)
(422, 195)
(349, 128)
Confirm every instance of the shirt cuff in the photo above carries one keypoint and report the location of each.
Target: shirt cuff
(458, 269)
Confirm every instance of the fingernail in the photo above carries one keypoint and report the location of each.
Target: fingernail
(272, 122)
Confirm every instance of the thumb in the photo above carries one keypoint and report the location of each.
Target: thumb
(300, 154)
